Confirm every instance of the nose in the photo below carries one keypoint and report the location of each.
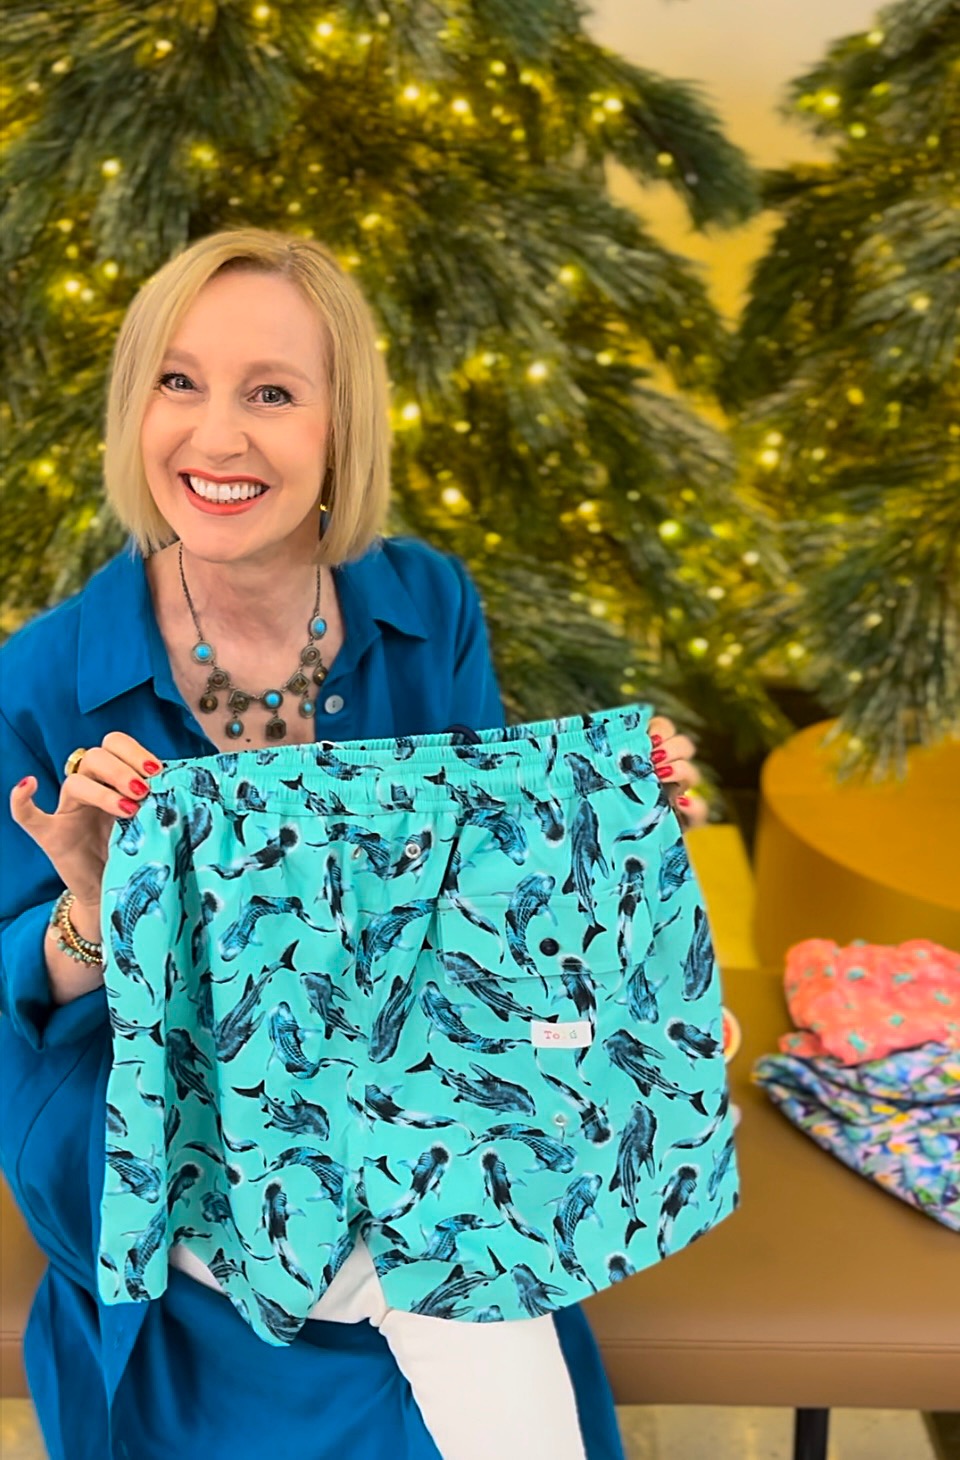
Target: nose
(218, 431)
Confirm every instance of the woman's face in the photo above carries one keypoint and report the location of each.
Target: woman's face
(241, 393)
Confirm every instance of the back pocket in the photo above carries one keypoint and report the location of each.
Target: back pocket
(507, 970)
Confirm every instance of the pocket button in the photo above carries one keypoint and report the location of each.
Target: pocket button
(550, 946)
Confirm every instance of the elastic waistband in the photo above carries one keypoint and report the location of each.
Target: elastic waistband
(548, 756)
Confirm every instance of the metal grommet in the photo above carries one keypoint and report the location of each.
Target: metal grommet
(560, 1119)
(412, 849)
(357, 852)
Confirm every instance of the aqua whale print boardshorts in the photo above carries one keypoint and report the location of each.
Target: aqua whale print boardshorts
(461, 999)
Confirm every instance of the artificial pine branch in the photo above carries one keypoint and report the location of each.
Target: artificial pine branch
(845, 396)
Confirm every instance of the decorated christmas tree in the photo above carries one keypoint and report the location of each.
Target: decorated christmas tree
(846, 393)
(561, 381)
(453, 157)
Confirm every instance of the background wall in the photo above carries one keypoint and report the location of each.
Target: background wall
(741, 53)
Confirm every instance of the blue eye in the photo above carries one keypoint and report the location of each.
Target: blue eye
(178, 375)
(280, 388)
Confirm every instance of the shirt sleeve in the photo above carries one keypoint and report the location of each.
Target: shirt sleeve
(29, 887)
(475, 699)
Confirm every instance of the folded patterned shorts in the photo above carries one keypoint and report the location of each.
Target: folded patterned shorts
(895, 1120)
(461, 999)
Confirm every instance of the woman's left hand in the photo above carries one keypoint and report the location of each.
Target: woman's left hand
(673, 758)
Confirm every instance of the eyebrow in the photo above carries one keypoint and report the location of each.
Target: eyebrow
(278, 365)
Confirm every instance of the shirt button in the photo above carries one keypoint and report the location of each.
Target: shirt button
(333, 704)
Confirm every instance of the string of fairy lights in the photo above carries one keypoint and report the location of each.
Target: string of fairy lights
(333, 39)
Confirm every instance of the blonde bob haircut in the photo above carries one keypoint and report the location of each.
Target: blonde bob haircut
(356, 488)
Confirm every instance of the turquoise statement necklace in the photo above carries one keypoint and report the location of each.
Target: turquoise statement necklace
(219, 683)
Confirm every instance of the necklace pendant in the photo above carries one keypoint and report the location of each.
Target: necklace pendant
(219, 681)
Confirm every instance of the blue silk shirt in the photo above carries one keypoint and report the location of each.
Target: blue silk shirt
(415, 659)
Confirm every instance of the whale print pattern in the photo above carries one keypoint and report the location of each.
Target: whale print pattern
(461, 999)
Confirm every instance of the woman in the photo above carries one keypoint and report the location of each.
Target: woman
(246, 391)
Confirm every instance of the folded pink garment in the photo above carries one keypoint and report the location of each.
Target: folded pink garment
(867, 1000)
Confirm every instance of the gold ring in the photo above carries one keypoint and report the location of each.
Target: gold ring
(73, 761)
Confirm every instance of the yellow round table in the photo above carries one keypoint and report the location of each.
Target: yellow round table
(856, 860)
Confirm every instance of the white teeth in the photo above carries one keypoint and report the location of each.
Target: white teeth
(225, 491)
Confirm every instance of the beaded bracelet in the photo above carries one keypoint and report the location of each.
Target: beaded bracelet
(82, 950)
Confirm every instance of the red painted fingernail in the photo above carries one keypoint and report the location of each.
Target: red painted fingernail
(24, 781)
(656, 739)
(683, 800)
(658, 755)
(150, 767)
(138, 788)
(665, 771)
(128, 807)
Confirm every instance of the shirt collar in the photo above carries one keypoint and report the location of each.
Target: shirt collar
(120, 646)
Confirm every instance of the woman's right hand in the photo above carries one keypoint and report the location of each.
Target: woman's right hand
(110, 782)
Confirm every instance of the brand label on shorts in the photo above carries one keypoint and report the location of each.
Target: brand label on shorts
(561, 1036)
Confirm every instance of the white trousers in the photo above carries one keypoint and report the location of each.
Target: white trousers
(483, 1389)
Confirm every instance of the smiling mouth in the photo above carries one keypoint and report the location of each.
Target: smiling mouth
(224, 491)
